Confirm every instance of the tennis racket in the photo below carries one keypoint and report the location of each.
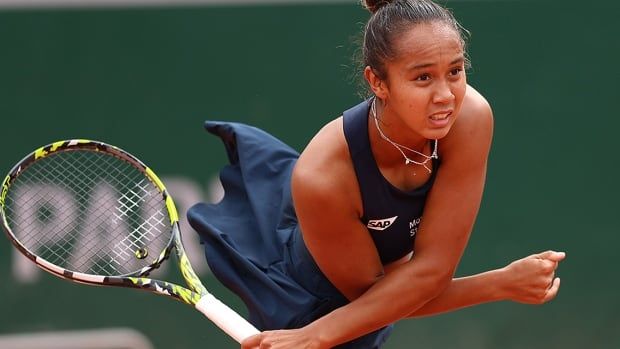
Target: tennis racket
(92, 213)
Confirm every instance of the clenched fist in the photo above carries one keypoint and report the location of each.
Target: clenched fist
(532, 280)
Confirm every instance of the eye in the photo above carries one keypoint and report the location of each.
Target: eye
(456, 71)
(423, 77)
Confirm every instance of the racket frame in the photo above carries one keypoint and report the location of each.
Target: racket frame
(135, 279)
(196, 295)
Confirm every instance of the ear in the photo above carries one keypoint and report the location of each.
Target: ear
(377, 85)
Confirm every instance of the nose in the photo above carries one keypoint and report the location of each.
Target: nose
(443, 93)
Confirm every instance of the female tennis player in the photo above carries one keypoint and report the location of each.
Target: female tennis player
(320, 246)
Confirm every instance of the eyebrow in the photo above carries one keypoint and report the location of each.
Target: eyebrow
(461, 59)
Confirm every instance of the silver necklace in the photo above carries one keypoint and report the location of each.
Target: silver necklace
(400, 147)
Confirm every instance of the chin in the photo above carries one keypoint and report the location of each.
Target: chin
(437, 133)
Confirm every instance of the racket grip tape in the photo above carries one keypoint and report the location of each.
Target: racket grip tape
(225, 318)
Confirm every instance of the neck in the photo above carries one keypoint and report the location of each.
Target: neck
(395, 129)
(395, 142)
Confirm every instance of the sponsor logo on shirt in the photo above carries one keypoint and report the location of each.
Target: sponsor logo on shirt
(381, 224)
(413, 226)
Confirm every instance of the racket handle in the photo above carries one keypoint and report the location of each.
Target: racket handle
(225, 318)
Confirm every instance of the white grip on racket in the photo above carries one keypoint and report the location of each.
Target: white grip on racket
(225, 318)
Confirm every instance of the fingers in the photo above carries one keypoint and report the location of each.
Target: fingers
(548, 266)
(265, 339)
(552, 291)
(552, 255)
(252, 342)
(557, 256)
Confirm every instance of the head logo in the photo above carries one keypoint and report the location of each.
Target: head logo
(381, 224)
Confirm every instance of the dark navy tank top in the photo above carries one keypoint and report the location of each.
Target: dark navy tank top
(391, 215)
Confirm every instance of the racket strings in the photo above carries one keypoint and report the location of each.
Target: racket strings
(28, 229)
(138, 239)
(90, 212)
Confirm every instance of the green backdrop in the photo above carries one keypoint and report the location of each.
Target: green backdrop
(146, 79)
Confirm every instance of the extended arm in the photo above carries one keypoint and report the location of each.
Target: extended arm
(528, 280)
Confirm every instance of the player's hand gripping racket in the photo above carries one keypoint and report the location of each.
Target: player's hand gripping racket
(91, 213)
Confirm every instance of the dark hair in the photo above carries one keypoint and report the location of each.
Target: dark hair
(389, 19)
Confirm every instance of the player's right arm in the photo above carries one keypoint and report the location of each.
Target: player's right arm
(328, 206)
(343, 250)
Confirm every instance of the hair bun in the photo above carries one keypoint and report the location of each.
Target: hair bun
(374, 5)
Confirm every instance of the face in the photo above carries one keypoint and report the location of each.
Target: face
(425, 83)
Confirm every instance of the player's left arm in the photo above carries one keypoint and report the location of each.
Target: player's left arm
(528, 280)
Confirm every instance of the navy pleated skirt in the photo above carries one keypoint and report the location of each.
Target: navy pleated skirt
(252, 240)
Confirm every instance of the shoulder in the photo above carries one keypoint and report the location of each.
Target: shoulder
(324, 172)
(476, 106)
(476, 113)
(473, 128)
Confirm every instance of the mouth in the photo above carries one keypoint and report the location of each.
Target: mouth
(443, 115)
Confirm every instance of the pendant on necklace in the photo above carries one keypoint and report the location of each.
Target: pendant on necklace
(407, 162)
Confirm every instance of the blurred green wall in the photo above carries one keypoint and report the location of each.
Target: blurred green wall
(146, 79)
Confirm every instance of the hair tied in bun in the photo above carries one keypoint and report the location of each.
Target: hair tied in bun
(374, 5)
